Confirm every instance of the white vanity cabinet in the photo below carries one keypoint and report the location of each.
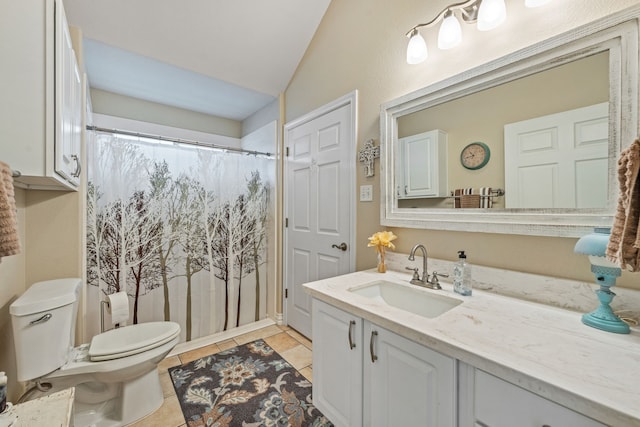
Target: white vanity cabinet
(41, 117)
(337, 364)
(405, 383)
(367, 375)
(493, 402)
(421, 165)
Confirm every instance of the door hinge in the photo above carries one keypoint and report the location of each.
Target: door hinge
(286, 293)
(286, 151)
(286, 223)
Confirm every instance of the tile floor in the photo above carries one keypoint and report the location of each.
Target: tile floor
(293, 347)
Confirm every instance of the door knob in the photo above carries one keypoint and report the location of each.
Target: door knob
(342, 246)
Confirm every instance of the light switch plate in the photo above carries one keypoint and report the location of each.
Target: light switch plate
(366, 193)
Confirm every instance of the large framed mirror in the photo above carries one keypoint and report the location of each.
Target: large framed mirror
(584, 81)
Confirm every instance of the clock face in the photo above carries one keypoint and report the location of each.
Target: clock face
(475, 155)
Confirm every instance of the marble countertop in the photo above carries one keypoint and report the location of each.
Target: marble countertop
(544, 349)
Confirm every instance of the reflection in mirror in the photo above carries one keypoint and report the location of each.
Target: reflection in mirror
(592, 67)
(482, 116)
(559, 160)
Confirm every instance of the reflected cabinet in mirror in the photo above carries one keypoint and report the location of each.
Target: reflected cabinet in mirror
(532, 139)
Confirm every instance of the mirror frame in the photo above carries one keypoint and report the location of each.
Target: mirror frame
(617, 34)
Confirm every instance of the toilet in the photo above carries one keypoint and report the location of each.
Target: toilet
(115, 375)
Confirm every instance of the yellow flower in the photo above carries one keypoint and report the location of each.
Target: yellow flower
(382, 239)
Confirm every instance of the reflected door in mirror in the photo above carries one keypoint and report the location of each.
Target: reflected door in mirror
(567, 152)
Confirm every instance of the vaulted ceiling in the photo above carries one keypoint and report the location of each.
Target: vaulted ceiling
(219, 57)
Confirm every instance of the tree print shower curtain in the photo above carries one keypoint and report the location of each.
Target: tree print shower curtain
(182, 229)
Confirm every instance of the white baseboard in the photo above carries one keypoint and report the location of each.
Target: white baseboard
(220, 336)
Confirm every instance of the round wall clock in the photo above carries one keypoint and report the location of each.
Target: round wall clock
(475, 155)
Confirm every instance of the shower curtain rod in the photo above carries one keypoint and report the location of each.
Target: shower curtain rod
(176, 140)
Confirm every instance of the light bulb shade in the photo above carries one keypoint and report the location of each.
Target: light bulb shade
(535, 3)
(450, 34)
(594, 244)
(417, 49)
(491, 14)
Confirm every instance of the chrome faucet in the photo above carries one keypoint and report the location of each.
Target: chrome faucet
(432, 283)
(425, 275)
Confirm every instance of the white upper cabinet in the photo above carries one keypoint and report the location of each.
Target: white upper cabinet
(421, 167)
(41, 116)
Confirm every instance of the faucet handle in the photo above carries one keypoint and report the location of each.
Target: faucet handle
(416, 276)
(434, 278)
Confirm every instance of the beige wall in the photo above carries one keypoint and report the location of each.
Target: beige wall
(12, 285)
(361, 45)
(113, 104)
(50, 235)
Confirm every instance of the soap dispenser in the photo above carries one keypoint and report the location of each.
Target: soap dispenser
(462, 275)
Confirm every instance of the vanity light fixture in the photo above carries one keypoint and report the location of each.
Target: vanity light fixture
(486, 14)
(491, 14)
(595, 246)
(450, 34)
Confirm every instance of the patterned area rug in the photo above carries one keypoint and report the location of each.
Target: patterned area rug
(250, 385)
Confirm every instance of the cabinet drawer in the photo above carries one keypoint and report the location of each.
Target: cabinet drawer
(502, 404)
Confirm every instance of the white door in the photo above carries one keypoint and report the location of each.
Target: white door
(319, 199)
(559, 160)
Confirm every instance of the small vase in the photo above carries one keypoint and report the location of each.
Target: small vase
(382, 268)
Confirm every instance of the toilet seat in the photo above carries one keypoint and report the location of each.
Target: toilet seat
(130, 340)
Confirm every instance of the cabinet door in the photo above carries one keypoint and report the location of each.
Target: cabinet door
(68, 113)
(421, 167)
(502, 404)
(337, 364)
(405, 383)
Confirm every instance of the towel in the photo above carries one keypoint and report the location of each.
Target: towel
(486, 198)
(470, 201)
(460, 194)
(9, 242)
(472, 198)
(624, 243)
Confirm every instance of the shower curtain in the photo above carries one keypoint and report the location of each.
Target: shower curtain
(182, 229)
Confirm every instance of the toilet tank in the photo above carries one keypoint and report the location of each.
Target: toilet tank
(43, 320)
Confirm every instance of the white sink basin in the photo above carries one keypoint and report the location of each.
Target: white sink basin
(409, 298)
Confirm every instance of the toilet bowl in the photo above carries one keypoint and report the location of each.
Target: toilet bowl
(115, 375)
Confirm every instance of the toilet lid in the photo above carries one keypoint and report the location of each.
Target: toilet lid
(130, 340)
